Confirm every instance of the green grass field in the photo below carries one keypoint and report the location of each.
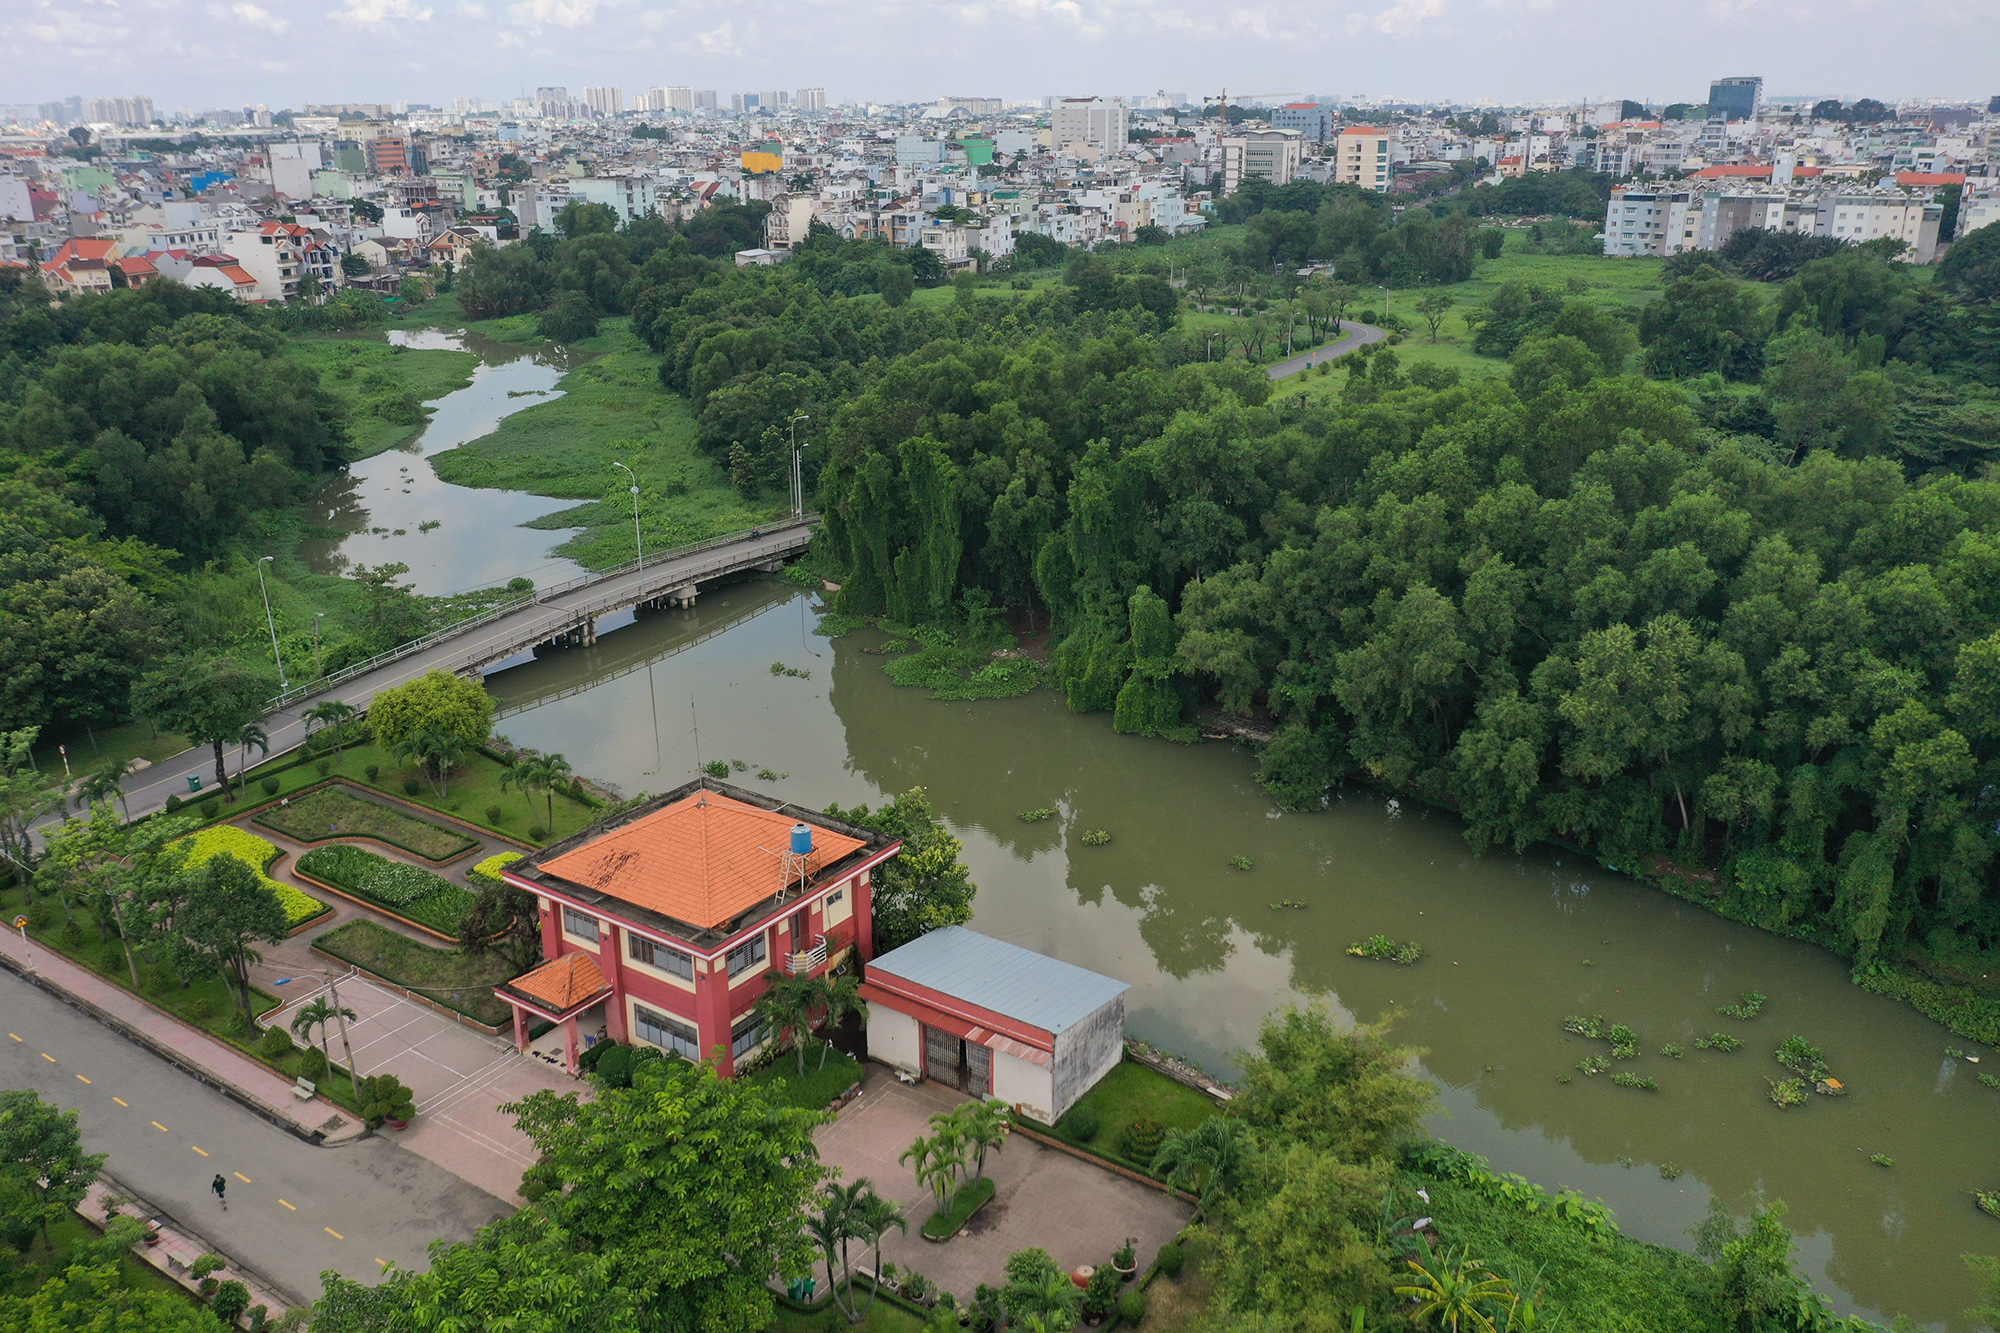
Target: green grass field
(364, 371)
(613, 407)
(1132, 1092)
(445, 975)
(335, 811)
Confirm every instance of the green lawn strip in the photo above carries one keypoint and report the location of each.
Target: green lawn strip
(397, 887)
(1132, 1092)
(817, 1087)
(613, 407)
(886, 1315)
(335, 811)
(969, 1199)
(448, 976)
(382, 387)
(89, 749)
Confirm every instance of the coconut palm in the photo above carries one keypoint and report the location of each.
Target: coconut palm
(250, 736)
(322, 1015)
(1212, 1156)
(1453, 1293)
(985, 1126)
(520, 777)
(832, 1228)
(936, 1164)
(102, 784)
(873, 1217)
(791, 1007)
(540, 772)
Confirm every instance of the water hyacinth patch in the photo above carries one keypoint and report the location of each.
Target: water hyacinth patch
(1787, 1093)
(1386, 950)
(1716, 1041)
(1753, 1004)
(1630, 1080)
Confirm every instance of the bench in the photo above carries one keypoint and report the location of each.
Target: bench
(304, 1089)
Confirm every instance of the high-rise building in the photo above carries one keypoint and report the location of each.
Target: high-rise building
(704, 99)
(1273, 154)
(1738, 98)
(119, 110)
(810, 99)
(552, 103)
(604, 101)
(1361, 157)
(1103, 123)
(1313, 120)
(69, 111)
(978, 106)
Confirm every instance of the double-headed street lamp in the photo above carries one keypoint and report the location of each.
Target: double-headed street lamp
(270, 621)
(798, 476)
(637, 541)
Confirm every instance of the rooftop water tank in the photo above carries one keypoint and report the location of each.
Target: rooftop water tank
(802, 839)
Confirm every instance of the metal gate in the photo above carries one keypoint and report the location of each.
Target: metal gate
(943, 1057)
(978, 1070)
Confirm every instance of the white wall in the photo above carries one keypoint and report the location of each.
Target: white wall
(1017, 1082)
(895, 1039)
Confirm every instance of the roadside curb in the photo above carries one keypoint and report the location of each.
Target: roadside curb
(263, 1291)
(242, 1096)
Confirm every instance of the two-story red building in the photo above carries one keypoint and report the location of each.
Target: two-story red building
(661, 927)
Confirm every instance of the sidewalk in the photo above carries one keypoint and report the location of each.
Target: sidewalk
(178, 1247)
(213, 1062)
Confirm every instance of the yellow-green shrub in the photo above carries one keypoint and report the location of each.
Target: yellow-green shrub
(487, 872)
(256, 852)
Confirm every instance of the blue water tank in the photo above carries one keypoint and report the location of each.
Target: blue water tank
(802, 839)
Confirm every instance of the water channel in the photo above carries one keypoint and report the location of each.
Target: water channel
(1512, 943)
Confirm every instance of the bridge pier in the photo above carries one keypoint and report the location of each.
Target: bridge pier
(771, 567)
(681, 596)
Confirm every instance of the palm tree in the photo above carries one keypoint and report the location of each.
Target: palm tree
(250, 736)
(840, 998)
(1453, 1293)
(985, 1126)
(935, 1164)
(520, 777)
(540, 772)
(832, 1228)
(102, 784)
(873, 1217)
(1213, 1156)
(437, 751)
(330, 715)
(791, 1006)
(319, 1014)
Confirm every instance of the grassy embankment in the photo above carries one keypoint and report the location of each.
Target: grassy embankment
(380, 385)
(613, 407)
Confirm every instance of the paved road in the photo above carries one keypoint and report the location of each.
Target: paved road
(1352, 336)
(148, 789)
(294, 1210)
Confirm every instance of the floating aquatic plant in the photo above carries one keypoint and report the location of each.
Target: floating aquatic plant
(430, 525)
(1593, 1065)
(1624, 1042)
(1803, 1058)
(1386, 950)
(1095, 837)
(780, 669)
(769, 775)
(1631, 1080)
(1671, 1170)
(1753, 1002)
(1987, 1202)
(1240, 862)
(1288, 902)
(1564, 1078)
(1881, 1159)
(1672, 1052)
(1790, 1092)
(1036, 816)
(1625, 1162)
(1716, 1041)
(1584, 1027)
(1990, 1081)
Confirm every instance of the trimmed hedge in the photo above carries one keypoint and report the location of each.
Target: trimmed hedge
(409, 891)
(488, 871)
(257, 853)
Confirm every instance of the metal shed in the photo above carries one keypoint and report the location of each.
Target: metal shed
(994, 1019)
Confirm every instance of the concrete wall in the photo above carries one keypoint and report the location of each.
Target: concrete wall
(895, 1039)
(1085, 1053)
(1017, 1082)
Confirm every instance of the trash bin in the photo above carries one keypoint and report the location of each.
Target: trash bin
(194, 782)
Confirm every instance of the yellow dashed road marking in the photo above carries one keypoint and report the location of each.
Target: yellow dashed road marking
(12, 1035)
(331, 1232)
(240, 1176)
(81, 1079)
(294, 1207)
(122, 1102)
(50, 1058)
(157, 1125)
(198, 1150)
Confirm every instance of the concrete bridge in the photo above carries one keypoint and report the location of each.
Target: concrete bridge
(563, 615)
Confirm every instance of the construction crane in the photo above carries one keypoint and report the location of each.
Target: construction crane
(1221, 102)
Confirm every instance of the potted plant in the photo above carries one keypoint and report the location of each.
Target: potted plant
(1126, 1260)
(888, 1280)
(1100, 1296)
(384, 1100)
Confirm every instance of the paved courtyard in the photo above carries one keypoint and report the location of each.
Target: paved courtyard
(1077, 1211)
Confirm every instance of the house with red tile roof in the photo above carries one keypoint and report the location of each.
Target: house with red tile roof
(82, 265)
(663, 927)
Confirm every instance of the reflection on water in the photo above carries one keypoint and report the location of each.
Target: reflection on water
(1512, 943)
(382, 503)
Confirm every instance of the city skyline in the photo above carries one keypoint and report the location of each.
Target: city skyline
(1415, 50)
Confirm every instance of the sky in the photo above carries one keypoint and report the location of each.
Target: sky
(239, 52)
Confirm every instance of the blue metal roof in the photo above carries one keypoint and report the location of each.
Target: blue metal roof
(1011, 981)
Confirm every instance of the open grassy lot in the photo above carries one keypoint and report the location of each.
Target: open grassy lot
(334, 812)
(613, 407)
(382, 386)
(91, 747)
(1128, 1093)
(448, 976)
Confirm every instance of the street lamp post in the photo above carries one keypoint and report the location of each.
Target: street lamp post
(638, 542)
(798, 475)
(271, 621)
(318, 670)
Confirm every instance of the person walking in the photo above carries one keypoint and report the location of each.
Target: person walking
(219, 1185)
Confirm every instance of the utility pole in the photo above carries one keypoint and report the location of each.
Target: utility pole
(638, 542)
(271, 621)
(798, 473)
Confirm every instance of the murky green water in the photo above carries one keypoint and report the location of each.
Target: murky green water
(382, 503)
(1512, 943)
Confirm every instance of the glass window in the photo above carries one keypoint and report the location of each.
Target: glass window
(666, 1033)
(671, 961)
(579, 925)
(748, 1034)
(837, 895)
(747, 954)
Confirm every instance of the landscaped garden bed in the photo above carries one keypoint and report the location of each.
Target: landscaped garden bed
(1131, 1107)
(454, 979)
(416, 895)
(336, 811)
(817, 1086)
(257, 853)
(949, 1220)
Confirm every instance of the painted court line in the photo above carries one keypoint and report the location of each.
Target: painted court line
(240, 1176)
(50, 1058)
(331, 1232)
(157, 1125)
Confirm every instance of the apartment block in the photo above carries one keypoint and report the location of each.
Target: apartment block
(1313, 121)
(1100, 122)
(1651, 222)
(1361, 156)
(1273, 154)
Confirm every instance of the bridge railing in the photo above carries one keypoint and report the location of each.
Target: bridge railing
(541, 597)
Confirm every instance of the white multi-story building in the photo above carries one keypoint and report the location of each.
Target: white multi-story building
(1273, 154)
(1103, 123)
(629, 197)
(1872, 215)
(1361, 156)
(948, 241)
(605, 101)
(1651, 222)
(809, 99)
(1976, 211)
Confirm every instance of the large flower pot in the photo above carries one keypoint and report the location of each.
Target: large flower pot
(397, 1124)
(1082, 1276)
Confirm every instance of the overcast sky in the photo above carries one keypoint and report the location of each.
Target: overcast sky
(224, 53)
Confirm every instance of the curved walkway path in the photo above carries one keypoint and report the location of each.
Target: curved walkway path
(1352, 336)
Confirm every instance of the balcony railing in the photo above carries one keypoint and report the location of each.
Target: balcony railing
(808, 959)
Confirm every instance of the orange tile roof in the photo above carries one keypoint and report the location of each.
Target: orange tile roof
(1364, 129)
(563, 983)
(703, 859)
(1930, 178)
